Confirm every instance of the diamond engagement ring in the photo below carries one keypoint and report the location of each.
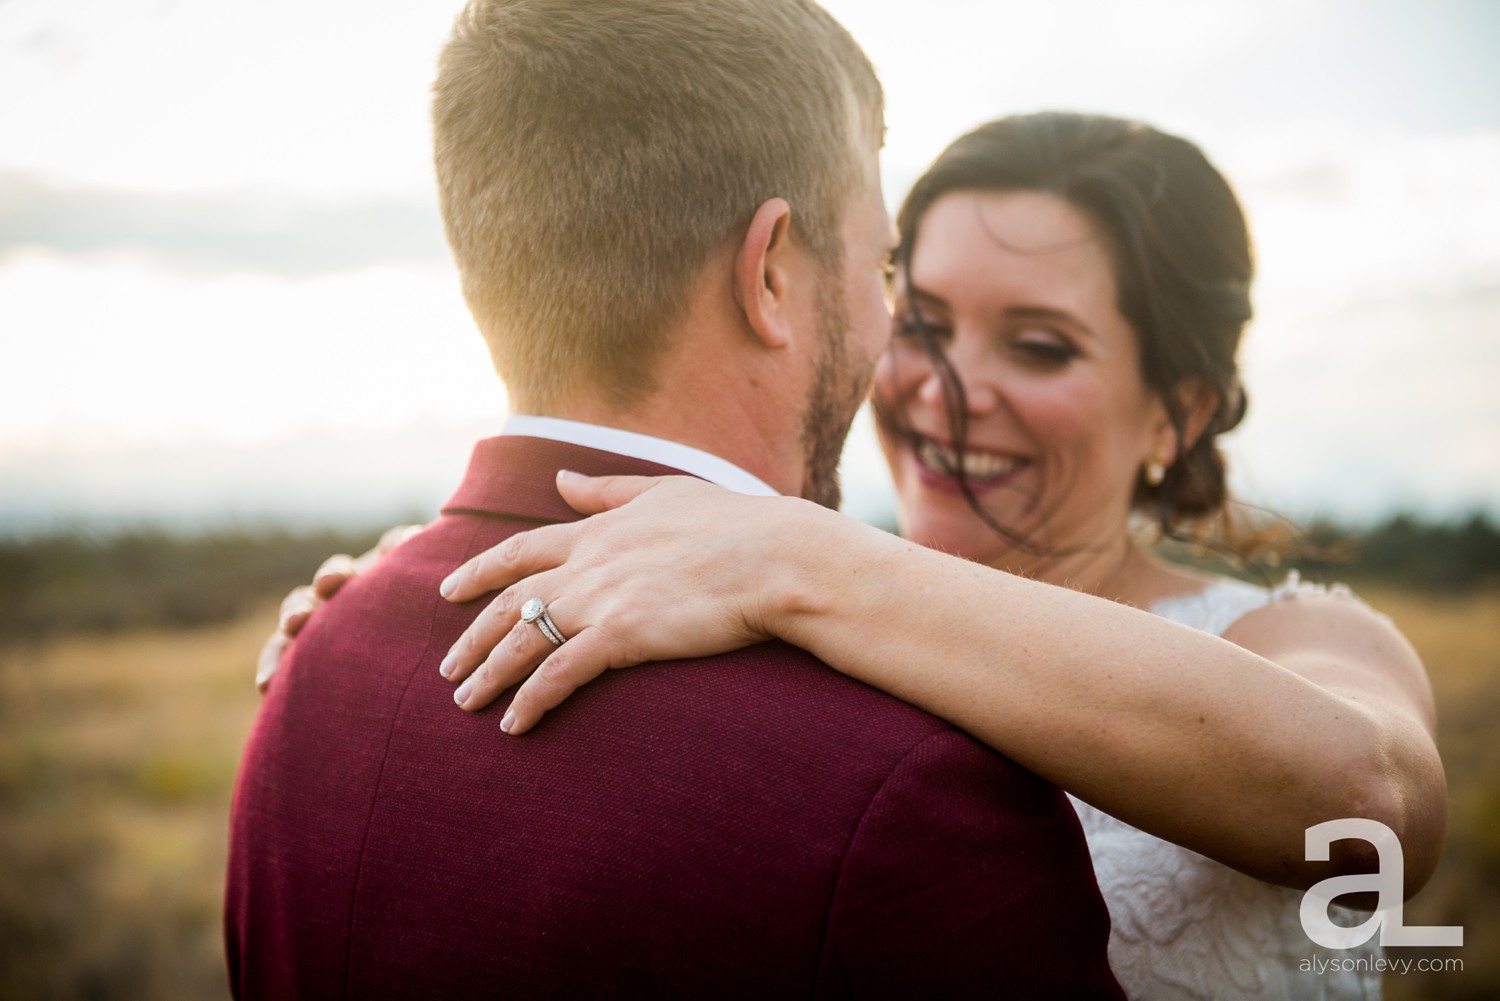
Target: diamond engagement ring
(535, 611)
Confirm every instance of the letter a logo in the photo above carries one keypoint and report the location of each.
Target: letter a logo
(1388, 883)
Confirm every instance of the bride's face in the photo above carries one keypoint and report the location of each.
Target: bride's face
(1019, 288)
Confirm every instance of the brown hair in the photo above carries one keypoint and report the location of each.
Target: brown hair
(591, 155)
(1182, 255)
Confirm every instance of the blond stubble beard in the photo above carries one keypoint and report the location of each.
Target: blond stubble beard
(839, 386)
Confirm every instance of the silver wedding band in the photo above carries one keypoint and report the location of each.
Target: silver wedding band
(535, 611)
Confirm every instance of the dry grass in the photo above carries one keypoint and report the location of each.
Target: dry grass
(117, 758)
(1459, 639)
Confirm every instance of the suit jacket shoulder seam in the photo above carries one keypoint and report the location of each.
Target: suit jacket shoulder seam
(859, 825)
(364, 846)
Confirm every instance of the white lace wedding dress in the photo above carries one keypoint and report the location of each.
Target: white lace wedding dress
(1187, 927)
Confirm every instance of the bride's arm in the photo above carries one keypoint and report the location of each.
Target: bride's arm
(1317, 710)
(1309, 710)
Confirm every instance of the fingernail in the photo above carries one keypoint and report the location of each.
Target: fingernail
(446, 667)
(449, 585)
(462, 695)
(568, 474)
(508, 722)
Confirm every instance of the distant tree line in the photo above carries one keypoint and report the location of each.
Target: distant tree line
(1455, 555)
(72, 582)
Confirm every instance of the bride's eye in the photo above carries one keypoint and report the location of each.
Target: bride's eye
(1047, 351)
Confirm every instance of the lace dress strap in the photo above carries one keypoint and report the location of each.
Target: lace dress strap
(1224, 602)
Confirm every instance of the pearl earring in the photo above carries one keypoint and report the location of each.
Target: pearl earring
(1156, 469)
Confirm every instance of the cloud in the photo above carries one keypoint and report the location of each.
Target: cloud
(1375, 405)
(1344, 214)
(219, 232)
(108, 352)
(318, 477)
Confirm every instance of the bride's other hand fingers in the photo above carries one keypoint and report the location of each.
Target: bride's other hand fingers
(299, 603)
(269, 660)
(297, 607)
(521, 555)
(566, 669)
(338, 569)
(512, 658)
(333, 574)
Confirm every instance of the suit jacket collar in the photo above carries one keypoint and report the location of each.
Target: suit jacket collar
(515, 476)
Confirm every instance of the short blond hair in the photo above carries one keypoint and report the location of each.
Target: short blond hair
(592, 154)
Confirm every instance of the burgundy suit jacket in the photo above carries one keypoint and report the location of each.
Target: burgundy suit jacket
(749, 825)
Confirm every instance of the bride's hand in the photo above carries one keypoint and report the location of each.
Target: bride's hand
(668, 568)
(300, 603)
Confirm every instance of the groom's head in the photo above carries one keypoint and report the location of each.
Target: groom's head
(594, 155)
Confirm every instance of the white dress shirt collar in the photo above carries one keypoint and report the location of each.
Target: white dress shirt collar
(641, 446)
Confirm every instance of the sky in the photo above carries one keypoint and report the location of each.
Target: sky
(224, 292)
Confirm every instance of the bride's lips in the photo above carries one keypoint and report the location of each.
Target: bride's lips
(984, 470)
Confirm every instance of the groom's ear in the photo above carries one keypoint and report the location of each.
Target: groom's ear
(765, 269)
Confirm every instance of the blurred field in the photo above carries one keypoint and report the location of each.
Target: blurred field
(117, 756)
(1459, 639)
